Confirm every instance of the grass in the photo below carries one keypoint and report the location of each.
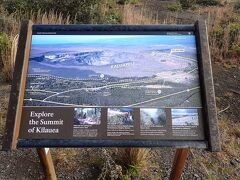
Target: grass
(8, 56)
(216, 165)
(141, 15)
(65, 157)
(8, 53)
(223, 28)
(133, 161)
(224, 34)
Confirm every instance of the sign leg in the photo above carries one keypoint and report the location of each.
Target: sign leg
(47, 163)
(178, 163)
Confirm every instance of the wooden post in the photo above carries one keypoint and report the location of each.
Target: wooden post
(178, 163)
(47, 163)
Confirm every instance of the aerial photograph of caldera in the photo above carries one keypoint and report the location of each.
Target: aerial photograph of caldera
(113, 71)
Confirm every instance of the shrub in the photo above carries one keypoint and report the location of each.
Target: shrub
(112, 18)
(110, 13)
(127, 2)
(176, 7)
(237, 5)
(84, 11)
(7, 55)
(185, 4)
(4, 44)
(4, 41)
(81, 11)
(224, 34)
(9, 40)
(208, 2)
(235, 49)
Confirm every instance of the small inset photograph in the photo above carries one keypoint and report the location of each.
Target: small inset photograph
(120, 116)
(87, 116)
(184, 117)
(152, 117)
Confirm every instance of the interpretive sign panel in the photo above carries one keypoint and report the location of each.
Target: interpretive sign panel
(114, 85)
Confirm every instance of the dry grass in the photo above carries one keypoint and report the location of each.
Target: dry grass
(141, 15)
(8, 58)
(133, 160)
(109, 168)
(224, 32)
(42, 17)
(223, 28)
(12, 29)
(215, 165)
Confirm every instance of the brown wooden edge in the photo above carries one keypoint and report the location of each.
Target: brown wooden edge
(47, 163)
(18, 86)
(178, 163)
(207, 87)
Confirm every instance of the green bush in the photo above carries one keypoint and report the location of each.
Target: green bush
(80, 11)
(208, 2)
(4, 41)
(127, 2)
(84, 11)
(4, 47)
(112, 18)
(176, 7)
(112, 14)
(185, 4)
(235, 49)
(235, 28)
(237, 5)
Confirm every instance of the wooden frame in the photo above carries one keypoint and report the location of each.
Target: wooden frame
(211, 142)
(16, 98)
(207, 84)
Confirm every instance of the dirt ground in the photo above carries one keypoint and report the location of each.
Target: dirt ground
(87, 163)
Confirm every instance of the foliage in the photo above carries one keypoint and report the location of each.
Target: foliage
(7, 56)
(235, 49)
(110, 13)
(80, 11)
(85, 11)
(237, 5)
(127, 2)
(4, 41)
(4, 45)
(187, 3)
(176, 7)
(224, 34)
(208, 2)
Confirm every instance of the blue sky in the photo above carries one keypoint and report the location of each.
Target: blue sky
(180, 112)
(112, 39)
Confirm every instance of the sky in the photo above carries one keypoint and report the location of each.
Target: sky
(183, 112)
(112, 39)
